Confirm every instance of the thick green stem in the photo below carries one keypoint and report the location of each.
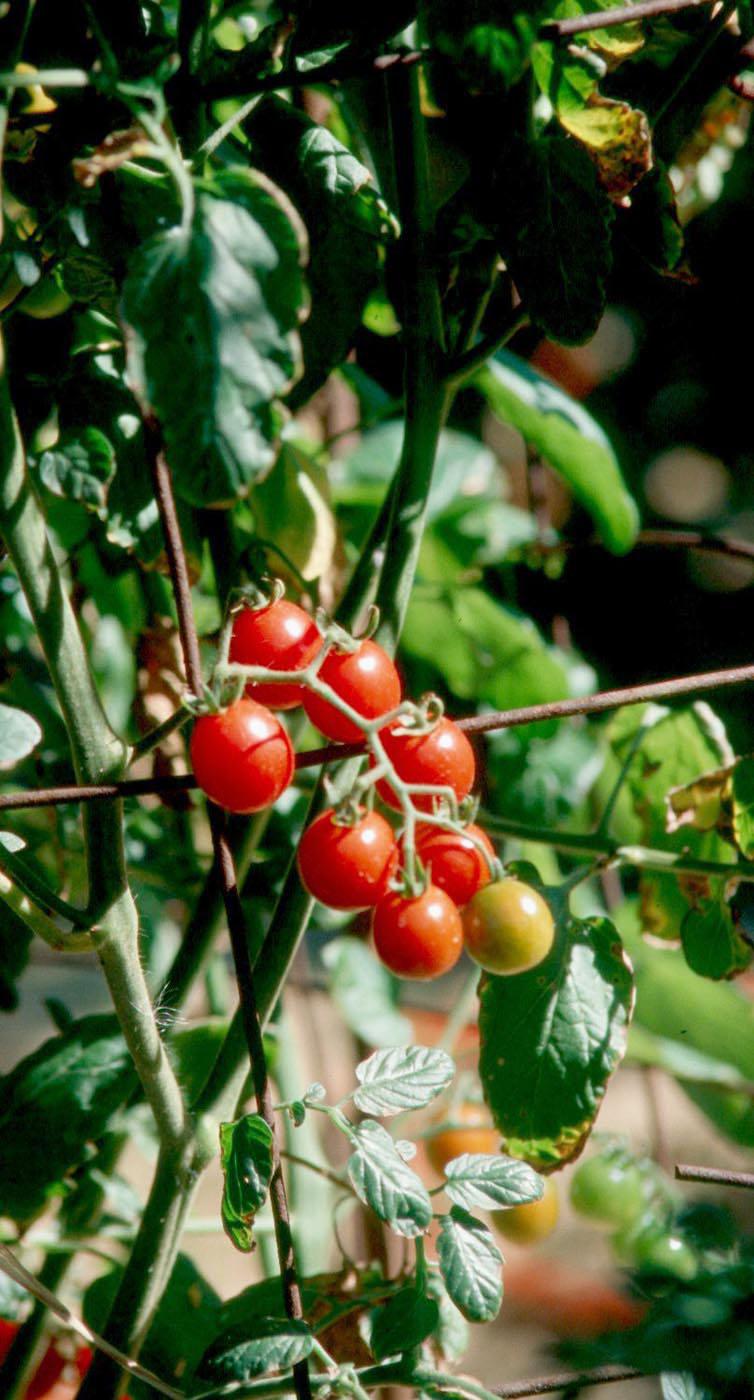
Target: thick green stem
(21, 1359)
(427, 398)
(592, 843)
(148, 1269)
(97, 753)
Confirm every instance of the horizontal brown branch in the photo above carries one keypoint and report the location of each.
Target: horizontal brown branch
(561, 1380)
(722, 545)
(714, 1176)
(598, 703)
(608, 19)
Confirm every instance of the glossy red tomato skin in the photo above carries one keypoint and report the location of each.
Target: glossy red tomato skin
(242, 757)
(282, 637)
(443, 757)
(348, 867)
(418, 938)
(8, 1331)
(454, 863)
(366, 679)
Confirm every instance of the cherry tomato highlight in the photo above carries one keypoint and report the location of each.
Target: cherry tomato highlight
(366, 679)
(242, 757)
(508, 927)
(530, 1223)
(418, 938)
(280, 636)
(454, 863)
(476, 1135)
(348, 867)
(442, 757)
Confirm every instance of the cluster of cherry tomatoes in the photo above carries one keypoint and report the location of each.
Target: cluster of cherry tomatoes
(431, 891)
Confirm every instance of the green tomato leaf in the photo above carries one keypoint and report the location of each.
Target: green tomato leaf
(652, 223)
(383, 1181)
(451, 1335)
(404, 1322)
(680, 1385)
(471, 1265)
(712, 943)
(247, 1163)
(394, 1081)
(19, 736)
(187, 1319)
(677, 747)
(211, 317)
(462, 461)
(80, 468)
(683, 1061)
(742, 792)
(481, 1182)
(326, 1298)
(551, 1038)
(15, 939)
(713, 1019)
(344, 216)
(276, 1345)
(292, 508)
(616, 135)
(555, 236)
(55, 1102)
(568, 439)
(364, 992)
(484, 651)
(488, 44)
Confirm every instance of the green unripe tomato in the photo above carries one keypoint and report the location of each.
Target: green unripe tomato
(507, 927)
(608, 1189)
(667, 1253)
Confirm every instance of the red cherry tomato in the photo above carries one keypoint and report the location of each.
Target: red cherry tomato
(366, 679)
(8, 1331)
(348, 867)
(242, 757)
(443, 757)
(454, 863)
(282, 637)
(47, 1374)
(418, 938)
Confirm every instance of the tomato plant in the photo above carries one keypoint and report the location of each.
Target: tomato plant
(418, 937)
(348, 866)
(362, 367)
(280, 636)
(366, 679)
(441, 757)
(242, 756)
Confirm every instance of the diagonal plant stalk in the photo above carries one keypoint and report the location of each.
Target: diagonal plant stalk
(98, 755)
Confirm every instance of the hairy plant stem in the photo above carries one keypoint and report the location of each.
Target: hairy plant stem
(98, 755)
(24, 1354)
